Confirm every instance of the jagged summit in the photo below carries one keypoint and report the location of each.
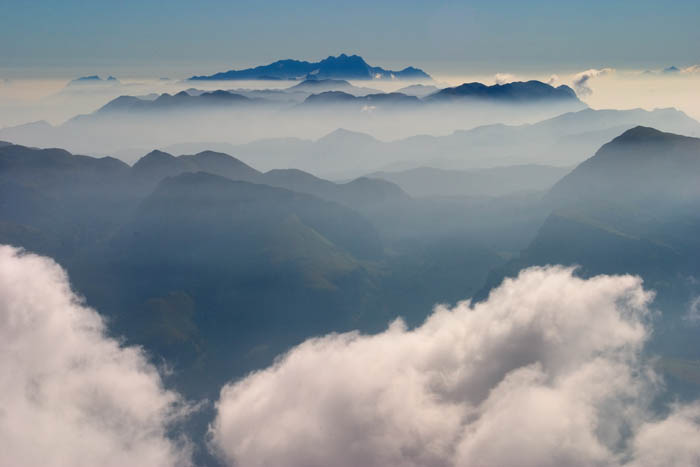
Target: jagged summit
(341, 67)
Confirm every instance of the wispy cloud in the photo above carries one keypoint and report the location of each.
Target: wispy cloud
(553, 80)
(581, 80)
(503, 78)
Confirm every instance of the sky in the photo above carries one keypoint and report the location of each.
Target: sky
(45, 38)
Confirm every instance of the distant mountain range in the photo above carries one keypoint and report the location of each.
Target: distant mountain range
(93, 79)
(341, 67)
(562, 141)
(341, 95)
(509, 92)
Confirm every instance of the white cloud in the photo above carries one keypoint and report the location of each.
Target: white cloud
(69, 395)
(691, 69)
(693, 313)
(546, 372)
(553, 80)
(673, 441)
(580, 80)
(503, 78)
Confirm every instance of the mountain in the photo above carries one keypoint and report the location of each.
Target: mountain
(167, 102)
(262, 268)
(668, 164)
(56, 203)
(58, 171)
(629, 209)
(214, 273)
(157, 165)
(518, 91)
(340, 67)
(562, 141)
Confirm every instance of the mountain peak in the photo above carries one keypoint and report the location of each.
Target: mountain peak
(342, 66)
(153, 159)
(642, 165)
(643, 134)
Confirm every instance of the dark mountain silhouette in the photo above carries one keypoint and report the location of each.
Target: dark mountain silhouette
(340, 67)
(517, 91)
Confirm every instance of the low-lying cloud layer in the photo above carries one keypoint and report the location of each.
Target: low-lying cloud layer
(69, 395)
(547, 371)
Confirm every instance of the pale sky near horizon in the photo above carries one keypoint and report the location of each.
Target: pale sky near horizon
(45, 38)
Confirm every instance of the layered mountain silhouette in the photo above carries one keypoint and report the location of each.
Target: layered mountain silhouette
(563, 141)
(341, 67)
(249, 114)
(212, 264)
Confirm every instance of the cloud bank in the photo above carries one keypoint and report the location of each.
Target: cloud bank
(69, 395)
(546, 372)
(581, 80)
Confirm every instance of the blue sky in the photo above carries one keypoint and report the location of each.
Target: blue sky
(179, 37)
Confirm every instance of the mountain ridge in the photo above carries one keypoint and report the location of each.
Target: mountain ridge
(338, 67)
